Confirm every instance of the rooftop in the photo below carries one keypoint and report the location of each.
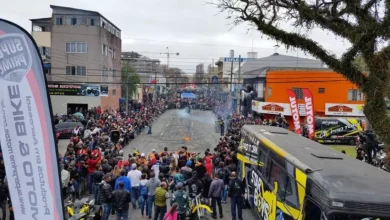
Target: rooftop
(82, 10)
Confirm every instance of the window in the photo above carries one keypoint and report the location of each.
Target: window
(76, 47)
(76, 70)
(298, 92)
(114, 92)
(114, 73)
(112, 50)
(269, 92)
(104, 50)
(355, 95)
(74, 21)
(321, 90)
(105, 72)
(92, 22)
(58, 20)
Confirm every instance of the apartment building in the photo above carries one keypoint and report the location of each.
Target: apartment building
(82, 51)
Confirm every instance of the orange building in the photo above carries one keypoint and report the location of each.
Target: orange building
(333, 95)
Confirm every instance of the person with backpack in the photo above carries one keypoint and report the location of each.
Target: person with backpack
(121, 199)
(236, 192)
(144, 195)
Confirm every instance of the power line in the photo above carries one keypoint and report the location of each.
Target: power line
(173, 42)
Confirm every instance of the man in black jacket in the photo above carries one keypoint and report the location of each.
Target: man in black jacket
(121, 199)
(194, 184)
(106, 196)
(236, 191)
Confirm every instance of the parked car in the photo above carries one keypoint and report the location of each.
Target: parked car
(64, 130)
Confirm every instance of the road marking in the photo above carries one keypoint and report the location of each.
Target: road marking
(161, 134)
(192, 123)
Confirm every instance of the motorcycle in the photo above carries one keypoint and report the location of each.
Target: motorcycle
(84, 210)
(90, 91)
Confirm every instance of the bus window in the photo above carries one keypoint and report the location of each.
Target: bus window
(262, 158)
(292, 198)
(278, 175)
(311, 210)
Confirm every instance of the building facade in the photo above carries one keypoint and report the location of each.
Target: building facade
(85, 58)
(333, 95)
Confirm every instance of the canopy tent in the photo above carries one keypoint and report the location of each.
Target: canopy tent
(187, 95)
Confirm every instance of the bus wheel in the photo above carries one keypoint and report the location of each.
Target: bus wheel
(352, 142)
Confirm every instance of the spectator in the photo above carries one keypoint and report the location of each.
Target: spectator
(143, 195)
(200, 168)
(97, 176)
(209, 166)
(135, 177)
(186, 171)
(125, 180)
(195, 186)
(172, 214)
(106, 196)
(236, 192)
(160, 201)
(206, 182)
(181, 198)
(121, 199)
(65, 178)
(152, 185)
(4, 196)
(215, 192)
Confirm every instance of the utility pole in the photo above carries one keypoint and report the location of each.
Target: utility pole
(231, 70)
(239, 84)
(127, 88)
(168, 55)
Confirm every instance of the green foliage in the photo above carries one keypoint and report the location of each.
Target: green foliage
(360, 64)
(130, 79)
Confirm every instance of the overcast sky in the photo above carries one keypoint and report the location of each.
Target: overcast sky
(192, 28)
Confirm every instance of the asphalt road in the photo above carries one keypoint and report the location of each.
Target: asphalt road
(174, 129)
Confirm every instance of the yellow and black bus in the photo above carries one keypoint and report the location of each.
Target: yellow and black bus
(288, 176)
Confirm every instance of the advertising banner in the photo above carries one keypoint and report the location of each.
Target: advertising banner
(308, 97)
(26, 130)
(276, 108)
(78, 89)
(294, 110)
(344, 109)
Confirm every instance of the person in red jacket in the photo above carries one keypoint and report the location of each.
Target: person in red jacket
(209, 166)
(91, 163)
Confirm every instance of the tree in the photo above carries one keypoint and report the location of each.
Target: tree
(130, 79)
(365, 24)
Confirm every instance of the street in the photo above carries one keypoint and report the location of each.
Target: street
(174, 129)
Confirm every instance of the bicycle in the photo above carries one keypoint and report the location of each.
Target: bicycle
(197, 207)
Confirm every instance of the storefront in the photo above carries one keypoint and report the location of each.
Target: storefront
(85, 96)
(339, 110)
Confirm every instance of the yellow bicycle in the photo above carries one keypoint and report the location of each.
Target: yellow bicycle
(197, 208)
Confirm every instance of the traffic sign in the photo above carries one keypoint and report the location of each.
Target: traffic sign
(236, 59)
